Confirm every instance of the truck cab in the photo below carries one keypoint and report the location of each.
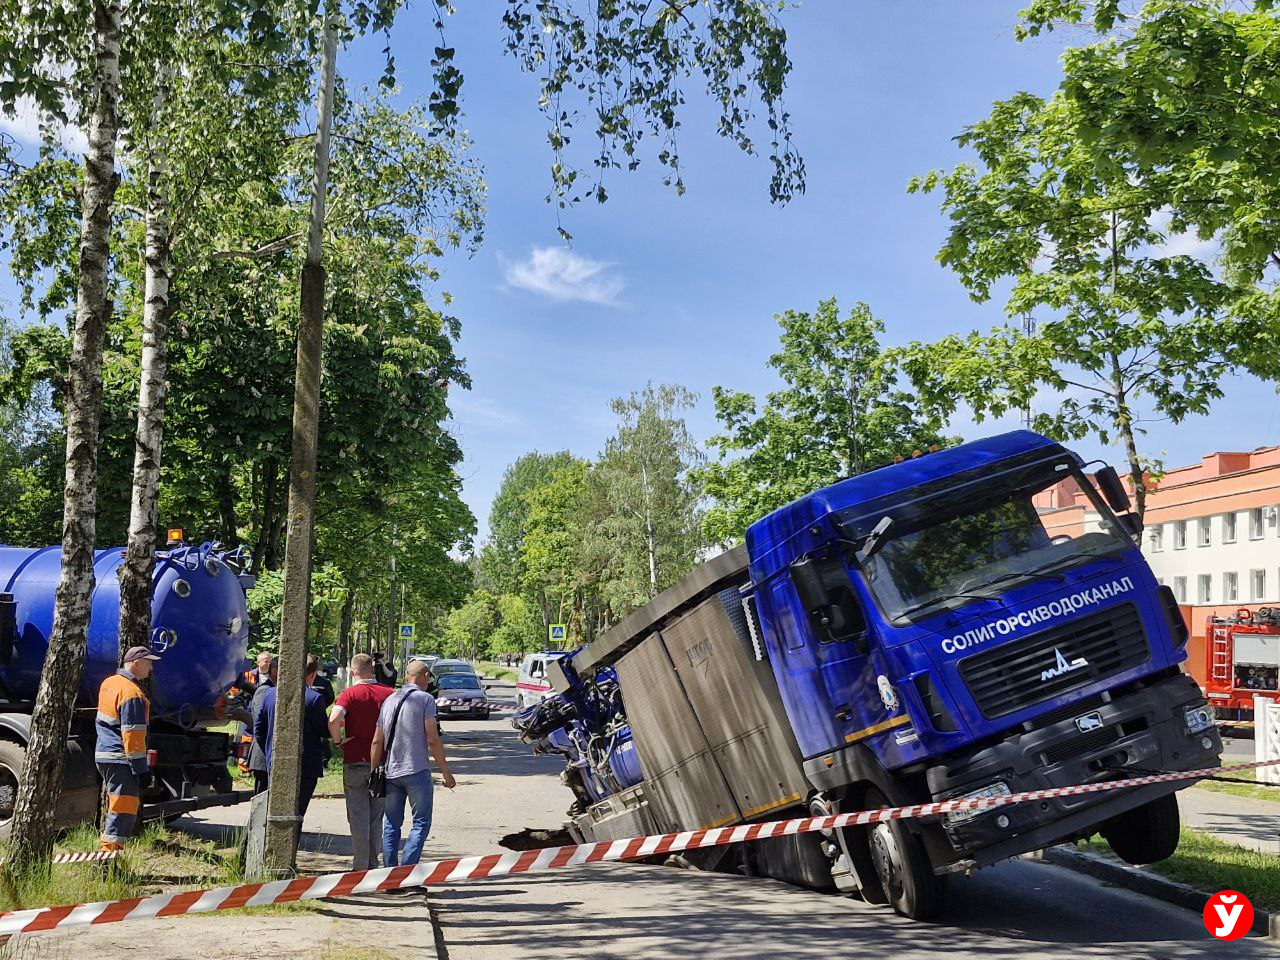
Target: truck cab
(931, 638)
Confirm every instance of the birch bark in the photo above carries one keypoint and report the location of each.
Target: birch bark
(139, 559)
(32, 833)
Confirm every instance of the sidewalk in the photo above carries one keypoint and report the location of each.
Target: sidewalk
(1254, 824)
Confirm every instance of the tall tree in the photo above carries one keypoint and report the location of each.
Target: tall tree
(33, 48)
(644, 470)
(841, 411)
(1181, 95)
(1125, 328)
(551, 548)
(501, 557)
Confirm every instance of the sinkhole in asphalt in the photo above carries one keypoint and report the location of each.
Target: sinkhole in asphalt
(531, 838)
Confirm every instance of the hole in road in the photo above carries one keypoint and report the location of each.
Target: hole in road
(532, 839)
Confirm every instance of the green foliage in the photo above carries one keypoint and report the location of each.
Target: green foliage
(520, 627)
(1124, 328)
(650, 530)
(467, 628)
(840, 412)
(508, 517)
(558, 517)
(629, 61)
(1184, 103)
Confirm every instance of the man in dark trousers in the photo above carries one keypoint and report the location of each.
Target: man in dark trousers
(315, 731)
(352, 723)
(121, 748)
(257, 761)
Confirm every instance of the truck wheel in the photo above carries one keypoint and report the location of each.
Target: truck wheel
(1147, 834)
(903, 866)
(11, 757)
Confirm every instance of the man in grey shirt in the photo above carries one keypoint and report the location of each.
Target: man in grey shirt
(414, 740)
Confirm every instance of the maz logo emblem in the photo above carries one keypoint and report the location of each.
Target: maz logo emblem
(1061, 666)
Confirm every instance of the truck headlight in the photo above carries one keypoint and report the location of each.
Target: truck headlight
(992, 790)
(1198, 719)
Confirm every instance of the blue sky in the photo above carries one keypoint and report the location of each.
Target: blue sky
(684, 289)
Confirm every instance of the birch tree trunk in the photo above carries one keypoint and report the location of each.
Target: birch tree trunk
(140, 553)
(32, 836)
(282, 805)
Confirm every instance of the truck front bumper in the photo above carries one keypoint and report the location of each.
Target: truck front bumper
(1141, 730)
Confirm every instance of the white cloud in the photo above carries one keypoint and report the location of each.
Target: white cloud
(24, 126)
(560, 274)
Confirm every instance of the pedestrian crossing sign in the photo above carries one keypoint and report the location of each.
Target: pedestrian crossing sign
(407, 631)
(557, 632)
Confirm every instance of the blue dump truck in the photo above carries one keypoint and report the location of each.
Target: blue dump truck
(913, 633)
(200, 628)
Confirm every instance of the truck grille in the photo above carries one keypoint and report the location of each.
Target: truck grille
(1019, 674)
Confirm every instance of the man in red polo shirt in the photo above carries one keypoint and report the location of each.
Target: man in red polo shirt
(352, 724)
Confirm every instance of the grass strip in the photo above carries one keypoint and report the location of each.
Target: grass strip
(489, 668)
(1207, 863)
(1248, 788)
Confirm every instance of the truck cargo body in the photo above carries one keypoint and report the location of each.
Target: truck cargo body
(907, 635)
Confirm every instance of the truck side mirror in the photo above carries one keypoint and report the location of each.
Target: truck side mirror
(810, 588)
(1113, 490)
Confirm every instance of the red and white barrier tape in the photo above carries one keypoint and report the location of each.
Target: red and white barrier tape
(85, 857)
(458, 869)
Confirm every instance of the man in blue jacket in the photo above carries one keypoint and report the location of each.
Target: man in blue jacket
(315, 730)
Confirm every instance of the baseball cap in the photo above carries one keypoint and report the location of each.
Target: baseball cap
(139, 653)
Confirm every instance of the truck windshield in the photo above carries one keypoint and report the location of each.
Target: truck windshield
(955, 544)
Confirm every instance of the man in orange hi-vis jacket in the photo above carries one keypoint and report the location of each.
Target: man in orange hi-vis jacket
(121, 751)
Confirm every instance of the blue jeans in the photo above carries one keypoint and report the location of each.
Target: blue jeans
(417, 789)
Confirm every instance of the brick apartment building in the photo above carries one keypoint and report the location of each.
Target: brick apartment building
(1212, 535)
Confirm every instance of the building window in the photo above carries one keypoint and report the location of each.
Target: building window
(1228, 528)
(1202, 532)
(1157, 538)
(1205, 588)
(1258, 585)
(1255, 523)
(1180, 589)
(1230, 587)
(1180, 535)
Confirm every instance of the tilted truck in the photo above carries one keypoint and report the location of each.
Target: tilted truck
(200, 629)
(910, 634)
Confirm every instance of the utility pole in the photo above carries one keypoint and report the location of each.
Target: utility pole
(283, 821)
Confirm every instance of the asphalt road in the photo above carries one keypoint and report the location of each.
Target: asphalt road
(1018, 909)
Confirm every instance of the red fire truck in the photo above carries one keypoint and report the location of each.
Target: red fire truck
(1244, 661)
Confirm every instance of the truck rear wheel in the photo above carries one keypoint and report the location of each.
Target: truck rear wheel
(902, 865)
(1147, 834)
(11, 758)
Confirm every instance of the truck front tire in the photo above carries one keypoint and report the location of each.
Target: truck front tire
(902, 865)
(1146, 834)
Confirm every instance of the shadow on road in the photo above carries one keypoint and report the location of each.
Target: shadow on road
(1014, 911)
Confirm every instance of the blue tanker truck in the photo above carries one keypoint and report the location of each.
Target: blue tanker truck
(199, 628)
(910, 634)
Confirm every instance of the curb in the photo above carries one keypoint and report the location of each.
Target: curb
(1266, 925)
